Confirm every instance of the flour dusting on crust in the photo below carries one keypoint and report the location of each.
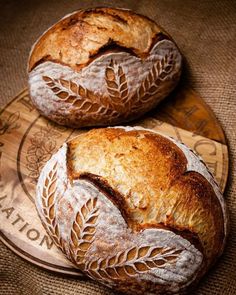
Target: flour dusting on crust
(179, 260)
(95, 235)
(56, 89)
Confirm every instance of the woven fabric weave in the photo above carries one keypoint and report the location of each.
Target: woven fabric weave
(205, 32)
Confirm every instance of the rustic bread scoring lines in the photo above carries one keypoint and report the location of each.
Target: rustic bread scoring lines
(122, 265)
(117, 86)
(48, 199)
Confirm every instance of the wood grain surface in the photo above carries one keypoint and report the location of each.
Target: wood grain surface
(28, 140)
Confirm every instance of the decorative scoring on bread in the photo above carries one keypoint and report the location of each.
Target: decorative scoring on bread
(102, 67)
(96, 238)
(172, 194)
(132, 236)
(122, 88)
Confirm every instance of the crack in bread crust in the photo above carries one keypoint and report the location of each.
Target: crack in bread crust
(119, 201)
(121, 243)
(90, 227)
(186, 199)
(110, 47)
(114, 196)
(88, 21)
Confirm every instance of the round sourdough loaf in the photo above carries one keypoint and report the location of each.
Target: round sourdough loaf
(132, 209)
(102, 66)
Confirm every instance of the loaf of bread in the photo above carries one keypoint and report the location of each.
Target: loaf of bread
(133, 209)
(102, 66)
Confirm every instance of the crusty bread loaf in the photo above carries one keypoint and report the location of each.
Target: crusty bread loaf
(102, 66)
(133, 209)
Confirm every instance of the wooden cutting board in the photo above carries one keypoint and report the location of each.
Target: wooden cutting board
(27, 141)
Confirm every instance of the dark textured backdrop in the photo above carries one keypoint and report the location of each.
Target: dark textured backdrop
(206, 34)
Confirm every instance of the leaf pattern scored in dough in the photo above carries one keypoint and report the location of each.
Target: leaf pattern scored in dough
(117, 86)
(120, 98)
(82, 232)
(48, 202)
(131, 262)
(149, 87)
(122, 265)
(79, 97)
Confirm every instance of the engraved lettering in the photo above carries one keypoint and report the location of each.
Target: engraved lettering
(212, 166)
(201, 125)
(189, 111)
(2, 198)
(8, 211)
(26, 101)
(33, 234)
(178, 134)
(10, 123)
(200, 147)
(218, 180)
(48, 241)
(23, 227)
(19, 218)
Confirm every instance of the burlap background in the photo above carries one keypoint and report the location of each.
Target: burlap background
(206, 34)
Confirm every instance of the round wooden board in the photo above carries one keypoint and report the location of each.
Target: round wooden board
(27, 141)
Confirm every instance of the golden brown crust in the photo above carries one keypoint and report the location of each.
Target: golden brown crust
(133, 209)
(79, 38)
(119, 201)
(153, 182)
(102, 66)
(194, 191)
(114, 196)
